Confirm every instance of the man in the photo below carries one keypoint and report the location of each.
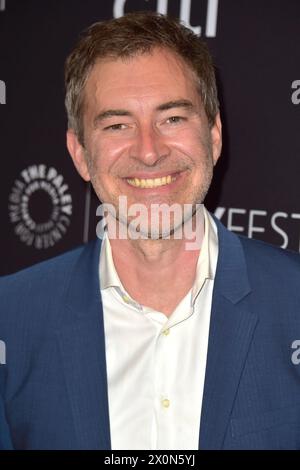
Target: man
(163, 338)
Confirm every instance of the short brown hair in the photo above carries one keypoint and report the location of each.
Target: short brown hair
(133, 34)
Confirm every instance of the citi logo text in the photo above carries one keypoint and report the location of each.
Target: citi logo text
(184, 14)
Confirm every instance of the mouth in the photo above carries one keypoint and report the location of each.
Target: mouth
(145, 183)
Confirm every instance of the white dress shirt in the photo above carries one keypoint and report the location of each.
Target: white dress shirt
(156, 364)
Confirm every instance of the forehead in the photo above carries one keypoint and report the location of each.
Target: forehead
(160, 75)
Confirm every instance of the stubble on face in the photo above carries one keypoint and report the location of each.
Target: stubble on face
(190, 152)
(194, 197)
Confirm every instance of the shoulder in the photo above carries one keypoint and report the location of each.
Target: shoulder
(42, 273)
(264, 251)
(38, 291)
(272, 273)
(271, 259)
(257, 253)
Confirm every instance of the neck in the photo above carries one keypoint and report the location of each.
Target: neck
(156, 273)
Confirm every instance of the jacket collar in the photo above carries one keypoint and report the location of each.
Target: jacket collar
(231, 331)
(82, 345)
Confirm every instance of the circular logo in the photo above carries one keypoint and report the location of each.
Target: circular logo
(40, 206)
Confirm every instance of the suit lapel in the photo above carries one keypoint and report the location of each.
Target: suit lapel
(82, 346)
(231, 331)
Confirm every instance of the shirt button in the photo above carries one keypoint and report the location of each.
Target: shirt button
(126, 299)
(165, 403)
(166, 332)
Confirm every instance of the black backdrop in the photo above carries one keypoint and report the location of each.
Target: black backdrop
(45, 207)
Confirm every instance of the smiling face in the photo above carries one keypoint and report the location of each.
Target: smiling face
(146, 134)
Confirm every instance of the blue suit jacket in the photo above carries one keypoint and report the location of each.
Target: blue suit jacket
(53, 388)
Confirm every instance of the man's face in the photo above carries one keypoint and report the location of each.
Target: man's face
(146, 134)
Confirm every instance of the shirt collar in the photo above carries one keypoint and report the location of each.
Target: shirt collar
(108, 274)
(206, 265)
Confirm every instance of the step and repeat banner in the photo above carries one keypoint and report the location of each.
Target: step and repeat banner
(47, 209)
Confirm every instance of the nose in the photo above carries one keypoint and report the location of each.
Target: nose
(149, 146)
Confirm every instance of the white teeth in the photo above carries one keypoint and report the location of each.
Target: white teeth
(151, 182)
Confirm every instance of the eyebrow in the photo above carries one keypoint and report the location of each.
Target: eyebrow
(186, 104)
(176, 104)
(110, 113)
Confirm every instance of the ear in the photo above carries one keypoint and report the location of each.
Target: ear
(77, 153)
(216, 138)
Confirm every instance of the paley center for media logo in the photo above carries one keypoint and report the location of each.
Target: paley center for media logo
(40, 206)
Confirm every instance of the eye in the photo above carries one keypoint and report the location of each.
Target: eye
(115, 127)
(175, 119)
